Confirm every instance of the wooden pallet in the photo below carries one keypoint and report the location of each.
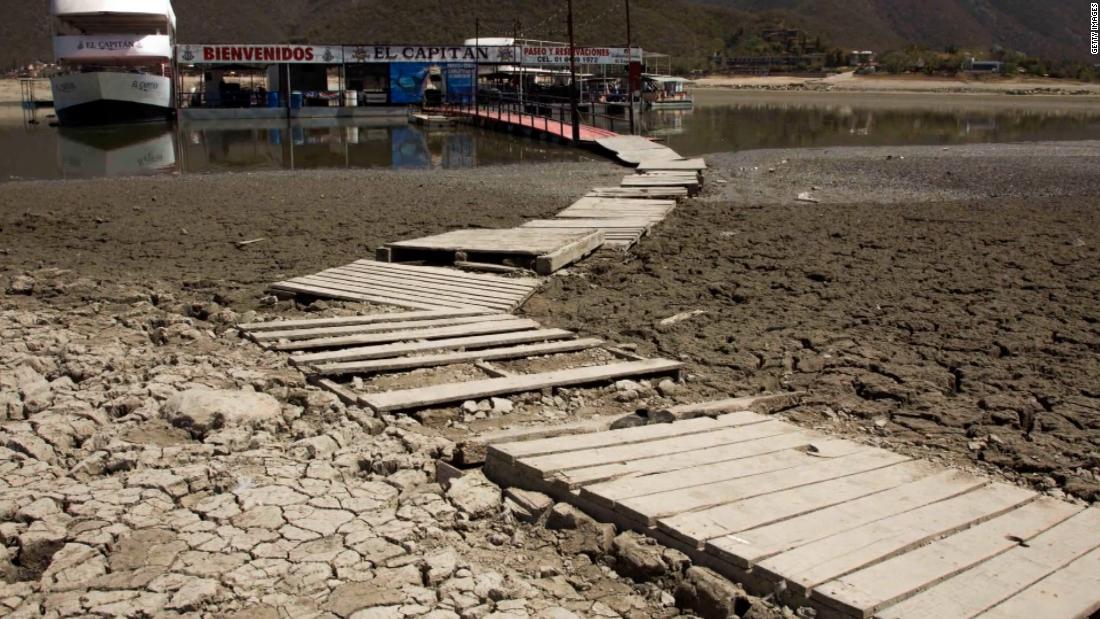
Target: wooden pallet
(543, 251)
(689, 181)
(415, 287)
(618, 233)
(671, 193)
(851, 530)
(690, 165)
(586, 208)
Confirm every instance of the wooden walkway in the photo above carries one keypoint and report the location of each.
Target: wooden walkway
(851, 530)
(414, 287)
(529, 122)
(542, 251)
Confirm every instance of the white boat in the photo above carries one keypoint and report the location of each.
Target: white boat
(666, 92)
(116, 58)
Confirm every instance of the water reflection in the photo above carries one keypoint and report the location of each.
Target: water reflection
(719, 123)
(718, 127)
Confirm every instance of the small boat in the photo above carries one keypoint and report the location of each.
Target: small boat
(116, 60)
(666, 92)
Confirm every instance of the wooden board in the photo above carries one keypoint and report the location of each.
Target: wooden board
(652, 507)
(1069, 592)
(383, 351)
(746, 548)
(696, 528)
(494, 325)
(994, 581)
(377, 327)
(636, 157)
(651, 165)
(421, 288)
(669, 463)
(509, 452)
(346, 321)
(675, 193)
(421, 397)
(831, 557)
(621, 143)
(648, 180)
(864, 592)
(451, 358)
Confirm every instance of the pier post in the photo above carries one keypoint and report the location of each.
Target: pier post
(574, 93)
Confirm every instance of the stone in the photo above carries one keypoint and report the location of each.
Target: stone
(708, 594)
(349, 598)
(637, 558)
(202, 409)
(668, 388)
(21, 285)
(533, 503)
(565, 516)
(281, 496)
(379, 612)
(194, 595)
(38, 510)
(34, 389)
(556, 612)
(502, 405)
(439, 566)
(476, 496)
(72, 567)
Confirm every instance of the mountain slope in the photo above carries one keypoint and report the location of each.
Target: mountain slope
(689, 29)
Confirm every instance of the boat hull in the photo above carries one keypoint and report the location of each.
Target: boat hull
(678, 104)
(109, 98)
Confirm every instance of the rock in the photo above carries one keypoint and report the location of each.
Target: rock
(379, 612)
(556, 612)
(708, 594)
(475, 495)
(322, 446)
(38, 510)
(535, 504)
(72, 567)
(637, 558)
(194, 594)
(347, 599)
(628, 385)
(34, 389)
(585, 534)
(469, 406)
(668, 388)
(202, 409)
(439, 566)
(21, 284)
(502, 405)
(565, 516)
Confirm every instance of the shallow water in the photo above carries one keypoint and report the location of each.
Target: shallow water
(721, 121)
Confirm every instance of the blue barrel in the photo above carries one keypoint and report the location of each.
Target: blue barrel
(273, 99)
(296, 100)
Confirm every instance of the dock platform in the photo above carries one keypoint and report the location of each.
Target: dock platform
(528, 122)
(849, 529)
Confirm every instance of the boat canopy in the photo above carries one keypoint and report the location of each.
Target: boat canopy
(666, 79)
(112, 16)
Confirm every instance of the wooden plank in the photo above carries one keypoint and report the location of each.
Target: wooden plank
(449, 274)
(862, 593)
(518, 241)
(661, 205)
(820, 561)
(629, 192)
(768, 454)
(346, 395)
(765, 404)
(486, 266)
(495, 325)
(455, 392)
(413, 283)
(385, 296)
(568, 254)
(1073, 591)
(662, 463)
(650, 508)
(384, 351)
(307, 334)
(451, 277)
(552, 463)
(636, 157)
(695, 528)
(745, 549)
(347, 321)
(352, 282)
(659, 181)
(998, 579)
(331, 293)
(472, 450)
(650, 165)
(451, 358)
(625, 436)
(629, 142)
(602, 223)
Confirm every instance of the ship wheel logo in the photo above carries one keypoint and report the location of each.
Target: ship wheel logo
(188, 55)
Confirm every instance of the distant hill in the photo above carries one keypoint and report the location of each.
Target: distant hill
(691, 30)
